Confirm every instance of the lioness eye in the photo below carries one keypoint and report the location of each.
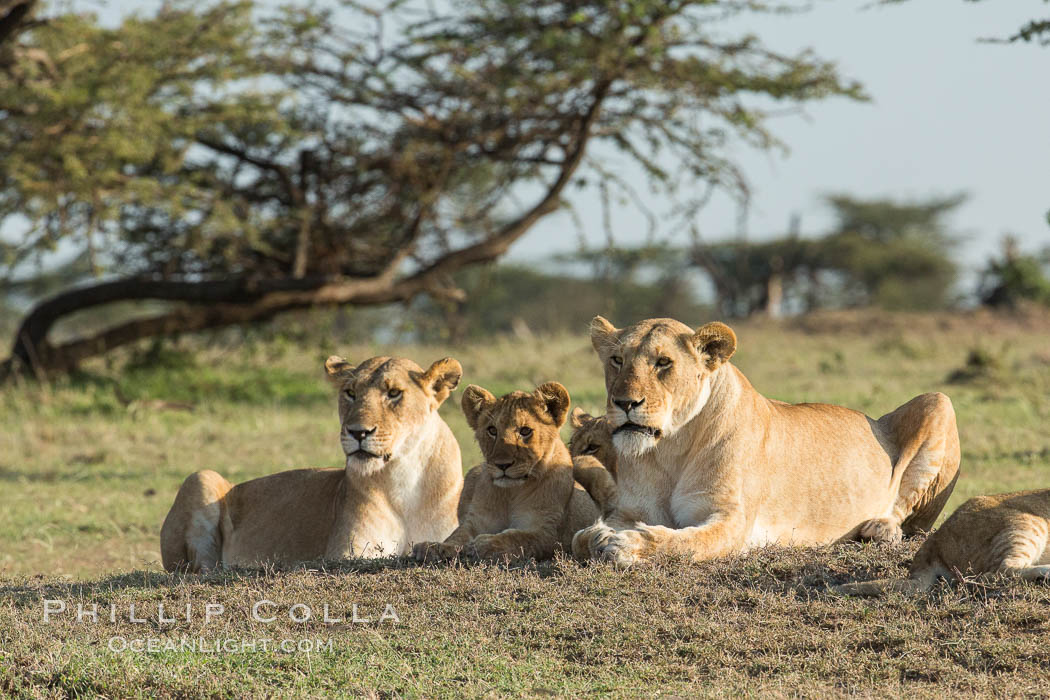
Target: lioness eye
(394, 393)
(492, 430)
(663, 362)
(349, 394)
(590, 449)
(525, 431)
(616, 360)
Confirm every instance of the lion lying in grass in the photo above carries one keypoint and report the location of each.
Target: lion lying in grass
(401, 482)
(706, 466)
(1004, 534)
(522, 501)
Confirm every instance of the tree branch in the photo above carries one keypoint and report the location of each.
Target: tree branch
(496, 245)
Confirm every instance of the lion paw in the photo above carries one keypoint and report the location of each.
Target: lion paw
(485, 546)
(587, 542)
(881, 530)
(429, 552)
(625, 548)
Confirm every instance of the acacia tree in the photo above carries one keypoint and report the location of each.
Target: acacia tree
(239, 162)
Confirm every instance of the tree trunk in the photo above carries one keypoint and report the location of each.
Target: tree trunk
(209, 304)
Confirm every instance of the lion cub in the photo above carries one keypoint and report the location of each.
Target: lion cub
(1008, 533)
(593, 458)
(522, 501)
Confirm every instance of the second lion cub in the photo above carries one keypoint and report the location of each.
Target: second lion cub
(522, 500)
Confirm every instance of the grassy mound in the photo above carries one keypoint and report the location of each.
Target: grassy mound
(757, 624)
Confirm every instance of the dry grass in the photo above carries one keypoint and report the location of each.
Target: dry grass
(86, 481)
(755, 625)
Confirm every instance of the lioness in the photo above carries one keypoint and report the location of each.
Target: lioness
(1004, 534)
(523, 501)
(707, 466)
(400, 485)
(593, 458)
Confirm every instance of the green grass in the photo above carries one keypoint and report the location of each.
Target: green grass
(86, 478)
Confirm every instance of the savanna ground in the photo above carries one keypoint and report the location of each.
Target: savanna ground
(89, 466)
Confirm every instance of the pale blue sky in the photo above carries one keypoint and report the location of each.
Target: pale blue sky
(947, 114)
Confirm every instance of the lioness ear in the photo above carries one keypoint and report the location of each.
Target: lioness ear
(603, 334)
(442, 377)
(556, 398)
(474, 401)
(336, 368)
(717, 341)
(577, 417)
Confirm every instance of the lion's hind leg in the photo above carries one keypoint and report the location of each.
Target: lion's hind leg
(926, 434)
(191, 537)
(880, 587)
(1022, 549)
(925, 570)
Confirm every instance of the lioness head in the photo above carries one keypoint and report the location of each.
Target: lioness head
(657, 376)
(383, 404)
(518, 432)
(591, 435)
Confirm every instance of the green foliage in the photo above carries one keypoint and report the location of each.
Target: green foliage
(896, 255)
(1014, 278)
(343, 138)
(98, 127)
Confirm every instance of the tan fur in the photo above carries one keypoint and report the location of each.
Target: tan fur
(593, 458)
(400, 485)
(1004, 534)
(522, 501)
(706, 466)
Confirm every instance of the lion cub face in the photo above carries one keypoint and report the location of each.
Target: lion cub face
(518, 432)
(383, 404)
(657, 376)
(592, 436)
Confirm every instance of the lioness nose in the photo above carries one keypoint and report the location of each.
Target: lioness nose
(627, 404)
(359, 434)
(503, 466)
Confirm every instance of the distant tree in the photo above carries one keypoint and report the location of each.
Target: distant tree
(896, 255)
(238, 162)
(1014, 277)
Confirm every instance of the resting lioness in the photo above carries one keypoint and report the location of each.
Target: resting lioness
(523, 501)
(707, 466)
(593, 458)
(400, 485)
(1004, 534)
